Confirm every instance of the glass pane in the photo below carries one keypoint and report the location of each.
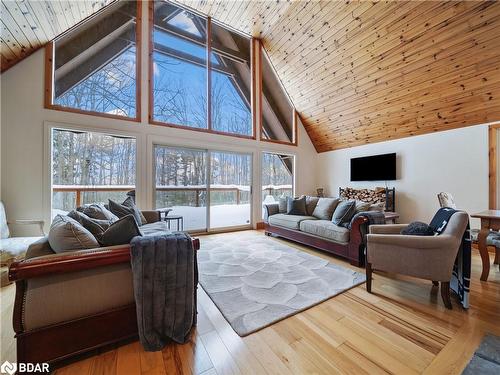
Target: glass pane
(181, 185)
(231, 82)
(95, 63)
(90, 168)
(230, 184)
(277, 177)
(277, 111)
(179, 67)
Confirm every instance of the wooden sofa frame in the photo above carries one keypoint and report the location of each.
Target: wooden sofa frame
(58, 342)
(353, 250)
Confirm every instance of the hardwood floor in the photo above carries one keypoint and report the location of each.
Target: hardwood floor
(403, 328)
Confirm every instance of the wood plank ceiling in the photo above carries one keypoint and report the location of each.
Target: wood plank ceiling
(362, 72)
(29, 25)
(357, 71)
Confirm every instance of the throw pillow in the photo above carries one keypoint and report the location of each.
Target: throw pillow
(67, 234)
(120, 232)
(296, 206)
(362, 206)
(121, 210)
(344, 212)
(418, 228)
(282, 205)
(94, 226)
(98, 211)
(311, 203)
(129, 202)
(325, 207)
(377, 207)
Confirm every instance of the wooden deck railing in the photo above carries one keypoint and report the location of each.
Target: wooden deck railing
(79, 189)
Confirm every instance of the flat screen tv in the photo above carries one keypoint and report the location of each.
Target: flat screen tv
(374, 168)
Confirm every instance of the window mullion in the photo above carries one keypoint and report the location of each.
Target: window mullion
(209, 73)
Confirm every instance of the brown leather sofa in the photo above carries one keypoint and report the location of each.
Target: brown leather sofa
(72, 302)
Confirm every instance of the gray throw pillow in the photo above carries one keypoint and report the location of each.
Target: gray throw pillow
(129, 202)
(122, 210)
(296, 206)
(362, 206)
(67, 234)
(324, 208)
(282, 205)
(120, 232)
(98, 211)
(94, 226)
(311, 203)
(418, 228)
(344, 212)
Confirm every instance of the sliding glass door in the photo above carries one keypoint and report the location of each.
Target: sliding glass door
(230, 189)
(182, 187)
(277, 176)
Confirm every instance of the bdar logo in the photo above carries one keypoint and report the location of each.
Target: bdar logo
(8, 368)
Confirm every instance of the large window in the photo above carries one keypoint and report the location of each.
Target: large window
(187, 89)
(279, 120)
(94, 66)
(277, 176)
(182, 187)
(90, 167)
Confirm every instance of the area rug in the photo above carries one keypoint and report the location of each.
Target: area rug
(486, 359)
(256, 280)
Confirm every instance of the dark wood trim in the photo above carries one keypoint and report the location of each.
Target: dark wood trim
(369, 273)
(17, 315)
(353, 251)
(61, 341)
(49, 77)
(208, 131)
(253, 86)
(260, 225)
(71, 263)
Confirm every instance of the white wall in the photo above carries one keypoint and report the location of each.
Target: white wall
(454, 161)
(24, 143)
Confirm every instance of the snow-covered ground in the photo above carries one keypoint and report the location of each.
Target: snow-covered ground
(226, 215)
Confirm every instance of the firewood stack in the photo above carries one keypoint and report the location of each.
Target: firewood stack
(376, 195)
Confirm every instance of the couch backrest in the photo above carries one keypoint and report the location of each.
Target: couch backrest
(4, 229)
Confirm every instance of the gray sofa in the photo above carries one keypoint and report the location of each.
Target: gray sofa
(345, 241)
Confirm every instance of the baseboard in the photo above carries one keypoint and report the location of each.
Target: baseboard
(260, 225)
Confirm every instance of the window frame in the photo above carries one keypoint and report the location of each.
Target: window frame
(275, 152)
(49, 75)
(253, 86)
(262, 52)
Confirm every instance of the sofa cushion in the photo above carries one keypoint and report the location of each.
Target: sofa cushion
(344, 212)
(311, 203)
(129, 202)
(123, 209)
(288, 221)
(67, 234)
(325, 229)
(153, 229)
(296, 206)
(14, 248)
(97, 211)
(325, 207)
(94, 226)
(362, 206)
(282, 204)
(120, 232)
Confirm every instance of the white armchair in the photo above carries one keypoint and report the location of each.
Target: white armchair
(14, 248)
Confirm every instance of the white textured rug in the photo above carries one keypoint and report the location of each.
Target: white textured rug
(256, 280)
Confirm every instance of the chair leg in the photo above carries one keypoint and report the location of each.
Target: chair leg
(497, 256)
(435, 283)
(368, 277)
(445, 294)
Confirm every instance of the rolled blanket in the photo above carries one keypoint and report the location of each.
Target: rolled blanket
(374, 217)
(165, 277)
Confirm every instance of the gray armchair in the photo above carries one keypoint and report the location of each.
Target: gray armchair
(425, 257)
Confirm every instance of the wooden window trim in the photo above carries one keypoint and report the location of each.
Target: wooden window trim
(295, 113)
(209, 129)
(49, 77)
(492, 166)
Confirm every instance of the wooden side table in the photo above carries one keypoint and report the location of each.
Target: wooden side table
(490, 219)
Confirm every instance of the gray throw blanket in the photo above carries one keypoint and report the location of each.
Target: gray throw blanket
(374, 217)
(165, 278)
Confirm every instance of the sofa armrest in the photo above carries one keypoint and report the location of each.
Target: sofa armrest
(152, 216)
(387, 228)
(410, 241)
(270, 209)
(73, 261)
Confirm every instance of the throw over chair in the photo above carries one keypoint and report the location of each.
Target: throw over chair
(425, 257)
(493, 239)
